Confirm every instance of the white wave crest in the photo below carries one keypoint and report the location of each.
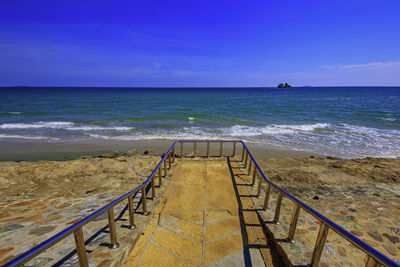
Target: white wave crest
(60, 125)
(51, 124)
(273, 129)
(28, 137)
(91, 128)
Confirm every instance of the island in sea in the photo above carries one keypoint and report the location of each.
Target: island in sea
(286, 85)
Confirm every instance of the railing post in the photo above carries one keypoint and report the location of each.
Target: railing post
(293, 222)
(194, 149)
(159, 177)
(145, 212)
(254, 176)
(208, 149)
(371, 262)
(153, 188)
(319, 244)
(278, 207)
(173, 154)
(234, 149)
(169, 160)
(259, 187)
(181, 149)
(266, 200)
(245, 160)
(131, 213)
(165, 167)
(220, 148)
(80, 247)
(111, 225)
(248, 173)
(242, 153)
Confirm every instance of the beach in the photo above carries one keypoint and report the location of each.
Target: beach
(25, 150)
(41, 197)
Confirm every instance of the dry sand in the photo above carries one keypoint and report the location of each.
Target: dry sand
(361, 195)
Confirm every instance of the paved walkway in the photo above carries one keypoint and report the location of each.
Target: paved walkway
(207, 218)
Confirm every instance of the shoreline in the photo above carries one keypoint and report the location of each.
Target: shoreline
(35, 150)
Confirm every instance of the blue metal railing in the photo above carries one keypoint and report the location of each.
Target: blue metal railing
(28, 255)
(370, 251)
(375, 258)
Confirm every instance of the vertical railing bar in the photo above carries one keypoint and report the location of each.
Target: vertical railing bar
(234, 149)
(245, 160)
(220, 148)
(319, 244)
(266, 200)
(293, 222)
(242, 153)
(371, 262)
(153, 188)
(194, 149)
(254, 176)
(131, 213)
(165, 168)
(169, 160)
(80, 247)
(278, 207)
(181, 149)
(113, 232)
(259, 188)
(173, 154)
(208, 149)
(159, 177)
(145, 212)
(248, 173)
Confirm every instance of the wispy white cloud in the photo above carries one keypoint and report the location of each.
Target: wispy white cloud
(363, 66)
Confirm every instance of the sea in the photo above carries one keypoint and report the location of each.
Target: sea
(348, 122)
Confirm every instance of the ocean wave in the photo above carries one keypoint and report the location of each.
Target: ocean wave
(342, 140)
(386, 119)
(28, 137)
(61, 125)
(51, 124)
(273, 129)
(11, 113)
(91, 128)
(175, 136)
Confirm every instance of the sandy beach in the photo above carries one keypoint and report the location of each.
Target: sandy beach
(33, 150)
(41, 197)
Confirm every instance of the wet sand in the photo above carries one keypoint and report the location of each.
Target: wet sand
(27, 150)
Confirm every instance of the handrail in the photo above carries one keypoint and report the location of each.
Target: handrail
(21, 259)
(374, 256)
(370, 251)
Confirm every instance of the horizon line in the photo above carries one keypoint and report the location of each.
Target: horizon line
(178, 87)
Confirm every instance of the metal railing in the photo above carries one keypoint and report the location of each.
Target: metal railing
(374, 257)
(76, 229)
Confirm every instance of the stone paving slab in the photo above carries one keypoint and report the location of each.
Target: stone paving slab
(206, 220)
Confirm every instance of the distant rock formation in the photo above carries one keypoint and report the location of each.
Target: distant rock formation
(286, 85)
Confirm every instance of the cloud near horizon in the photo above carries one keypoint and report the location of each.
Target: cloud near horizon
(359, 66)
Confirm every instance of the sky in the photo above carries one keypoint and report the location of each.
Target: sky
(200, 43)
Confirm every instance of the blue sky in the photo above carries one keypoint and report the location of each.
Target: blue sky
(200, 43)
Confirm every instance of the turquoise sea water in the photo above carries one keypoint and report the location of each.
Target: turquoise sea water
(347, 122)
